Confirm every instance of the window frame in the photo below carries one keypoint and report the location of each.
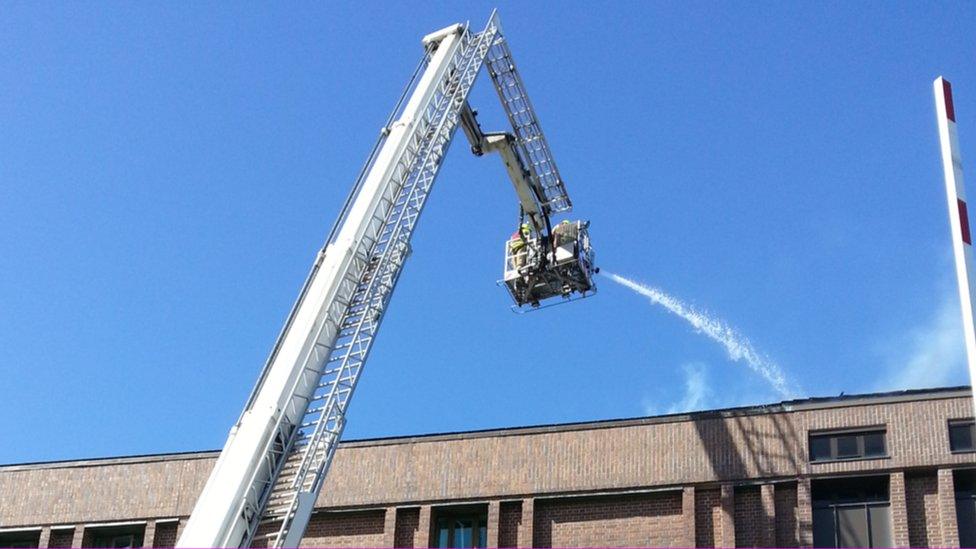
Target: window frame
(964, 488)
(832, 436)
(972, 436)
(20, 537)
(108, 536)
(453, 515)
(871, 530)
(867, 493)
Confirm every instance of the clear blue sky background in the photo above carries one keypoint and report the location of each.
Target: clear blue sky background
(168, 171)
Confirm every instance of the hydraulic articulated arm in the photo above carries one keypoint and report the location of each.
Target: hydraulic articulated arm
(530, 193)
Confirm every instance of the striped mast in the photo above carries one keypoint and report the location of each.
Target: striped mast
(962, 242)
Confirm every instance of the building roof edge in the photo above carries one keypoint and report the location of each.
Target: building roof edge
(812, 403)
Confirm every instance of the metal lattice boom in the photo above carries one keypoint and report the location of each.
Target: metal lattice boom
(316, 438)
(511, 90)
(263, 488)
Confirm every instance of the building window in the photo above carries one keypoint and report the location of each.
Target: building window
(848, 444)
(851, 512)
(114, 536)
(964, 483)
(461, 527)
(962, 434)
(117, 540)
(20, 538)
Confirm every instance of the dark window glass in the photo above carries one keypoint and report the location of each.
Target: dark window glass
(966, 519)
(123, 541)
(961, 436)
(823, 527)
(462, 533)
(19, 540)
(443, 533)
(852, 527)
(874, 445)
(872, 489)
(880, 516)
(819, 448)
(964, 483)
(117, 540)
(462, 529)
(847, 445)
(851, 512)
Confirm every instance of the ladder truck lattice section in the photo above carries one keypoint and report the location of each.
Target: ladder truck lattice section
(321, 429)
(263, 488)
(533, 148)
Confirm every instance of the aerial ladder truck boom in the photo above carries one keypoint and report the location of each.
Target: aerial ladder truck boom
(263, 487)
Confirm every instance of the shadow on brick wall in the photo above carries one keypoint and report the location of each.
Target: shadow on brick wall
(743, 447)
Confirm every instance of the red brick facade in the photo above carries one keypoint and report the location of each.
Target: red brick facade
(62, 538)
(509, 521)
(407, 522)
(708, 511)
(165, 535)
(751, 520)
(784, 496)
(739, 477)
(350, 529)
(639, 520)
(922, 503)
(947, 510)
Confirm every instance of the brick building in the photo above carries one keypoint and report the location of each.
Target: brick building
(894, 469)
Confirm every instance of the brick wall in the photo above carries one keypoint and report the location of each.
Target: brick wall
(61, 537)
(899, 513)
(804, 512)
(509, 520)
(703, 450)
(358, 529)
(405, 531)
(785, 495)
(750, 518)
(710, 447)
(707, 517)
(922, 502)
(165, 534)
(643, 520)
(102, 490)
(947, 509)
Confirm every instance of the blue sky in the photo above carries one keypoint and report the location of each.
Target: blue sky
(168, 171)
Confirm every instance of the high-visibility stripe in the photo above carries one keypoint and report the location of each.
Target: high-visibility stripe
(964, 222)
(962, 247)
(947, 93)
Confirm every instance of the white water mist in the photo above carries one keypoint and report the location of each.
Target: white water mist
(738, 347)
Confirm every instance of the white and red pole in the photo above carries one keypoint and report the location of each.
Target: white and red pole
(962, 242)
